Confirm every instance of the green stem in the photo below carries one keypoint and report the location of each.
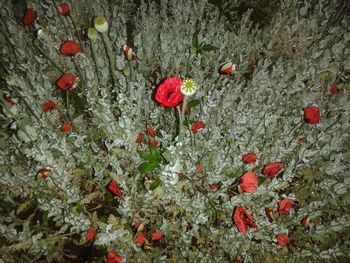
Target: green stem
(111, 58)
(181, 118)
(67, 106)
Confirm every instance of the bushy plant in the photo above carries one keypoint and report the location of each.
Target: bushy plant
(103, 156)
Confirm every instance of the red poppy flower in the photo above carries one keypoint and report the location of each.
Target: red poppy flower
(10, 100)
(168, 93)
(64, 9)
(67, 81)
(249, 158)
(333, 89)
(113, 257)
(312, 114)
(114, 188)
(48, 106)
(70, 48)
(139, 137)
(243, 219)
(199, 168)
(30, 15)
(271, 170)
(248, 182)
(140, 238)
(66, 127)
(283, 240)
(151, 132)
(158, 235)
(90, 234)
(197, 126)
(284, 206)
(154, 142)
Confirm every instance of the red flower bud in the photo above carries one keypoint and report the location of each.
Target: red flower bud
(154, 142)
(64, 9)
(271, 170)
(30, 15)
(248, 182)
(284, 206)
(249, 158)
(129, 53)
(90, 234)
(312, 114)
(113, 257)
(66, 127)
(158, 235)
(139, 137)
(67, 81)
(48, 106)
(269, 212)
(10, 100)
(197, 126)
(181, 176)
(70, 48)
(44, 173)
(199, 168)
(114, 188)
(333, 89)
(283, 240)
(304, 222)
(214, 186)
(151, 132)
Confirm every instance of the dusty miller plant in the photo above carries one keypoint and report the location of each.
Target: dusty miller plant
(282, 66)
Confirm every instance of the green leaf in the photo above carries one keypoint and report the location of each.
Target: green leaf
(148, 167)
(208, 47)
(193, 103)
(145, 155)
(155, 184)
(154, 153)
(195, 40)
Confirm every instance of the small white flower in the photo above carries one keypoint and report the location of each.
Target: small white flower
(101, 24)
(188, 87)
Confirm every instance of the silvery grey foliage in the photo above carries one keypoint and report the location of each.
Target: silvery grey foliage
(282, 67)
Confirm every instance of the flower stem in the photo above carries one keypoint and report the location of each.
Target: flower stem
(181, 118)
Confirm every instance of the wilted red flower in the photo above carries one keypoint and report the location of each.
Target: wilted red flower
(312, 114)
(181, 176)
(284, 206)
(140, 238)
(90, 234)
(64, 9)
(66, 127)
(44, 173)
(197, 126)
(67, 81)
(10, 100)
(333, 89)
(30, 15)
(271, 170)
(214, 186)
(113, 257)
(199, 168)
(151, 132)
(114, 188)
(48, 106)
(158, 235)
(283, 240)
(154, 142)
(70, 48)
(168, 93)
(269, 212)
(139, 137)
(248, 182)
(242, 219)
(249, 158)
(304, 222)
